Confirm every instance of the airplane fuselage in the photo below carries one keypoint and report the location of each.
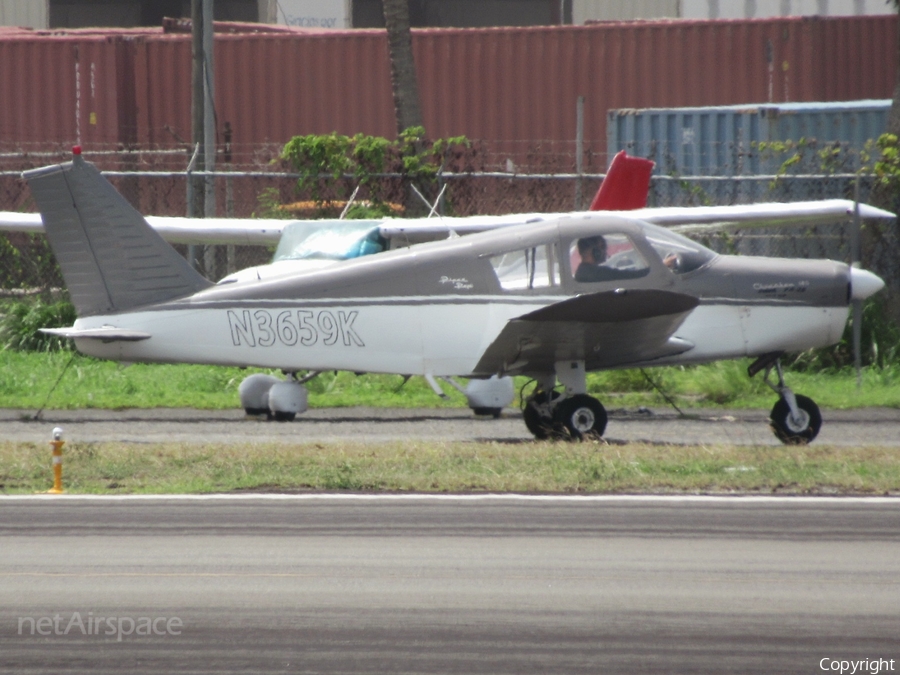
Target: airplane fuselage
(437, 309)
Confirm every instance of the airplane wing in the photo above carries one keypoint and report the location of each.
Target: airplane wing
(684, 219)
(11, 221)
(607, 329)
(267, 232)
(704, 218)
(242, 231)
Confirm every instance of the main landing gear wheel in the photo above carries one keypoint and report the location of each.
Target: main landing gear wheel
(580, 416)
(488, 412)
(798, 430)
(538, 414)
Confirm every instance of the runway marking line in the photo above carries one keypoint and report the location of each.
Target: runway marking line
(706, 578)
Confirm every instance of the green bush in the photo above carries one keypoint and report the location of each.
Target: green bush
(879, 344)
(21, 319)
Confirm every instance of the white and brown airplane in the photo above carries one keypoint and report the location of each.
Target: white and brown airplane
(548, 296)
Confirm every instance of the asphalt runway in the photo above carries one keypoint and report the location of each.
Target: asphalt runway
(357, 584)
(870, 426)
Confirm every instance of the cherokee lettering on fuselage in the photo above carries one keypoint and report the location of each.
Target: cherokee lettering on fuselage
(303, 327)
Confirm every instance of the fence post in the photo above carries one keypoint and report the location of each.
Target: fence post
(579, 150)
(192, 250)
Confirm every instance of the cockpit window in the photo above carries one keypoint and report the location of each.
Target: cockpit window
(330, 240)
(608, 257)
(528, 268)
(679, 253)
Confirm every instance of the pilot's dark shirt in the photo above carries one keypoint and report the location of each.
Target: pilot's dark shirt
(589, 272)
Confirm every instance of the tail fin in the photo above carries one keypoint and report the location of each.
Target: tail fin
(626, 184)
(110, 258)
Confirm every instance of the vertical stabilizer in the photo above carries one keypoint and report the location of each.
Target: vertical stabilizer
(626, 185)
(110, 258)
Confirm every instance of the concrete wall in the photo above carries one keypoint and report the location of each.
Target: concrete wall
(623, 10)
(24, 13)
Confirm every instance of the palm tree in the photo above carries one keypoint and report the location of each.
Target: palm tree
(403, 70)
(894, 118)
(885, 194)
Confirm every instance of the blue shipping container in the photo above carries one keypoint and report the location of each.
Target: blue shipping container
(736, 140)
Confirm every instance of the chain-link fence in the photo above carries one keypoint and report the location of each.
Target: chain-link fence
(259, 189)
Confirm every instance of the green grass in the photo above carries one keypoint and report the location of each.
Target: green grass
(418, 466)
(26, 380)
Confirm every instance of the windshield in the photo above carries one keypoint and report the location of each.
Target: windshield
(329, 240)
(687, 254)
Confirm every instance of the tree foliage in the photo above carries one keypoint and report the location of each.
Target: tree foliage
(331, 165)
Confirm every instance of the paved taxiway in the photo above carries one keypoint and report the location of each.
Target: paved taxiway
(354, 584)
(871, 426)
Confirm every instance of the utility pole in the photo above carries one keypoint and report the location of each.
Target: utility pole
(203, 120)
(209, 108)
(197, 100)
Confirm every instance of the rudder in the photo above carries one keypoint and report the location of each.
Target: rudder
(625, 186)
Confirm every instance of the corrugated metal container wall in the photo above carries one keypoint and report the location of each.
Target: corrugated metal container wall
(61, 89)
(283, 86)
(506, 85)
(724, 141)
(162, 73)
(513, 88)
(270, 87)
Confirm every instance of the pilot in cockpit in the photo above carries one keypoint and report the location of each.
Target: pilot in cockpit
(626, 263)
(591, 268)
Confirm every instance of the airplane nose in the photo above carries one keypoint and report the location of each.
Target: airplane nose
(863, 283)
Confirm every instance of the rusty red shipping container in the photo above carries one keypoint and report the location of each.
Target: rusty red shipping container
(512, 88)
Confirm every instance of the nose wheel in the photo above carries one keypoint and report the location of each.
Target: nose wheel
(796, 428)
(795, 419)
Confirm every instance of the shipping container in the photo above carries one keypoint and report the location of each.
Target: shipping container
(747, 139)
(512, 90)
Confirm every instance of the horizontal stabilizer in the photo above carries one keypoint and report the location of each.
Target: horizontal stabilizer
(111, 259)
(105, 333)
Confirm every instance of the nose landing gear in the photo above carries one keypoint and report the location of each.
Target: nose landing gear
(795, 419)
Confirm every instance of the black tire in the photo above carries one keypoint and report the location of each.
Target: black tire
(786, 430)
(256, 412)
(580, 416)
(539, 423)
(280, 416)
(492, 412)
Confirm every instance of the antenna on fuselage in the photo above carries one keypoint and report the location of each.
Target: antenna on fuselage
(432, 208)
(349, 203)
